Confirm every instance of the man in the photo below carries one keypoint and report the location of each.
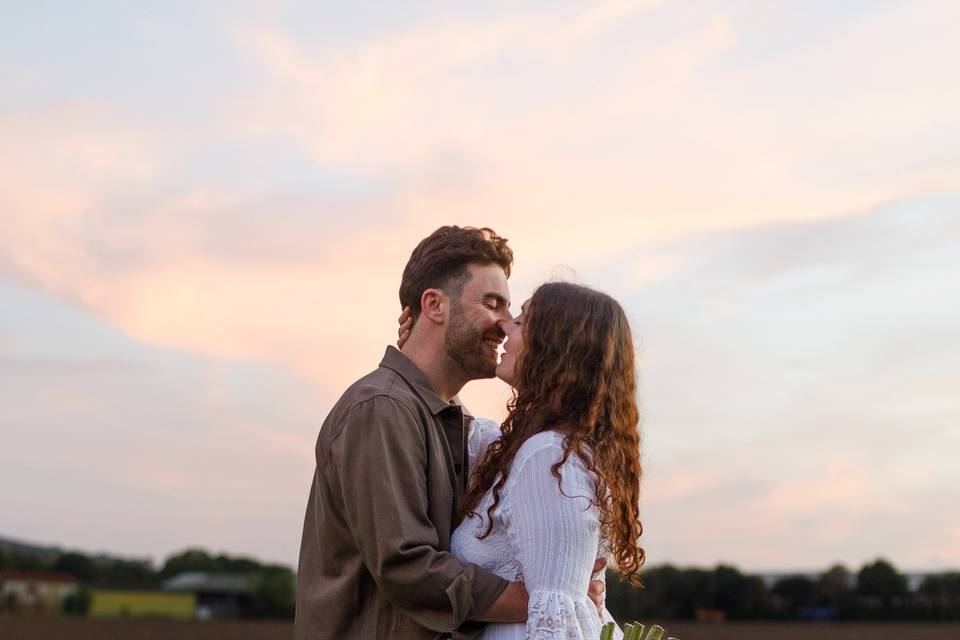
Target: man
(392, 465)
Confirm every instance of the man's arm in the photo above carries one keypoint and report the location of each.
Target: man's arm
(513, 603)
(379, 461)
(510, 606)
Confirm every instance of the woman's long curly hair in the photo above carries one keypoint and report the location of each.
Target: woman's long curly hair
(576, 374)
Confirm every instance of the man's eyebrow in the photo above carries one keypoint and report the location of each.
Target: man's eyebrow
(496, 296)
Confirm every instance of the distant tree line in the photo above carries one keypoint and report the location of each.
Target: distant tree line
(876, 592)
(273, 586)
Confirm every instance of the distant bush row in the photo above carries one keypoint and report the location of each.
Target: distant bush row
(876, 592)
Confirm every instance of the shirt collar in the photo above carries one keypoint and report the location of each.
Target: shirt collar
(395, 360)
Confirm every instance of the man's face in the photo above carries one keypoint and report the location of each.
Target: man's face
(473, 334)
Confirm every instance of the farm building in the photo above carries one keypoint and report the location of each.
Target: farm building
(115, 603)
(35, 592)
(219, 595)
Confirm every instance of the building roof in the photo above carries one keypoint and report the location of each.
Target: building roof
(198, 581)
(38, 576)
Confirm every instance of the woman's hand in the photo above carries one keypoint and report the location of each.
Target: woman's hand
(406, 324)
(597, 587)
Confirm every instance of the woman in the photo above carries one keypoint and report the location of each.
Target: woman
(559, 484)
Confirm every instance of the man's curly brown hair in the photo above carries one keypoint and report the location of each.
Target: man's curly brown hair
(440, 262)
(576, 374)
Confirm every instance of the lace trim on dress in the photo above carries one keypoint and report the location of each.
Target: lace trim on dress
(552, 616)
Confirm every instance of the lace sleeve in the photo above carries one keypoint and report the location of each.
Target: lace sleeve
(552, 616)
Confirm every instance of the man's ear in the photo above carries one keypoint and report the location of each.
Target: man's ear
(434, 305)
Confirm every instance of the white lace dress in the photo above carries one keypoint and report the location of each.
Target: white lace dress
(547, 539)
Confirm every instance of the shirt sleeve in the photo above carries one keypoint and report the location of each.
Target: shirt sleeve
(555, 536)
(380, 461)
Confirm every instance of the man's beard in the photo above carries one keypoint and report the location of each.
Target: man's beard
(465, 346)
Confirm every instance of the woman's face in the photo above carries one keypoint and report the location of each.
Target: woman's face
(513, 346)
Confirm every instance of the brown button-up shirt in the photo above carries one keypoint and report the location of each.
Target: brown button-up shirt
(374, 559)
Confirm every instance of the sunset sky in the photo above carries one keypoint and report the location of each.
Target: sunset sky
(205, 209)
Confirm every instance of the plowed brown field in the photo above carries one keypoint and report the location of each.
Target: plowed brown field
(74, 629)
